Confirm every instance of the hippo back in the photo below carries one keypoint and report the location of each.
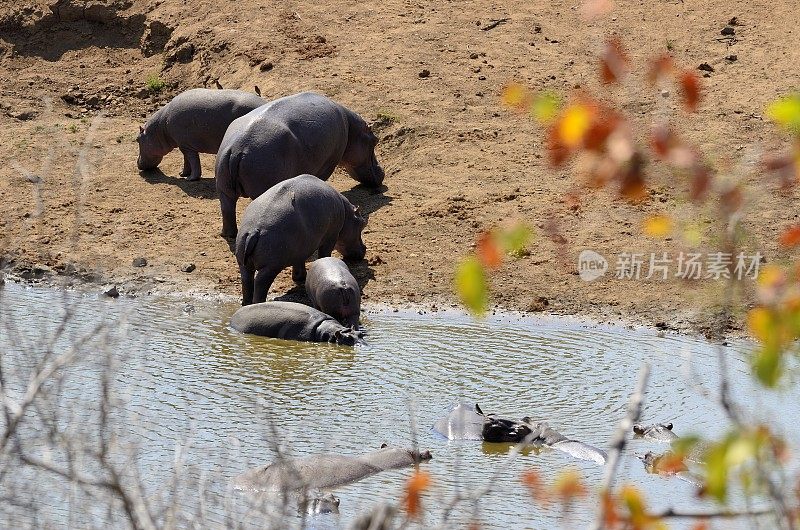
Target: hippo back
(333, 290)
(280, 320)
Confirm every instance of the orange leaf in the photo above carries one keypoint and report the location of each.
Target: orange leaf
(659, 67)
(701, 525)
(632, 183)
(791, 236)
(701, 181)
(516, 96)
(489, 251)
(611, 516)
(417, 483)
(559, 153)
(573, 124)
(658, 226)
(614, 61)
(663, 139)
(690, 88)
(568, 485)
(532, 480)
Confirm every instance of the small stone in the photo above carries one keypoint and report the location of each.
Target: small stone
(139, 262)
(728, 31)
(705, 67)
(266, 66)
(481, 78)
(23, 115)
(473, 55)
(188, 267)
(111, 292)
(732, 58)
(425, 73)
(665, 93)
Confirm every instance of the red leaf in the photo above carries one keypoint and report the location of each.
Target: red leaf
(662, 140)
(659, 67)
(690, 88)
(489, 251)
(559, 153)
(632, 183)
(791, 236)
(701, 181)
(614, 61)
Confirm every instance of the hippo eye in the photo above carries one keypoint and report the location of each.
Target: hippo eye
(638, 429)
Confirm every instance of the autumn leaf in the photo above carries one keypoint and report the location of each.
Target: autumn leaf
(658, 226)
(573, 124)
(660, 67)
(791, 236)
(761, 323)
(533, 481)
(690, 89)
(632, 183)
(614, 61)
(568, 486)
(488, 251)
(416, 484)
(544, 107)
(663, 139)
(471, 287)
(701, 181)
(611, 517)
(516, 96)
(514, 238)
(556, 149)
(786, 113)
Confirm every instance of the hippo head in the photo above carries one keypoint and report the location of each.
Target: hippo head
(502, 430)
(359, 157)
(658, 431)
(150, 150)
(323, 503)
(350, 244)
(347, 336)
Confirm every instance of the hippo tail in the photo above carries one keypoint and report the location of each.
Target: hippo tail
(245, 246)
(226, 172)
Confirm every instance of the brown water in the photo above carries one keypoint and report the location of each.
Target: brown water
(185, 380)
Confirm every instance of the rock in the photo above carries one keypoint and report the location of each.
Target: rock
(188, 267)
(92, 100)
(665, 93)
(732, 58)
(425, 73)
(728, 31)
(481, 78)
(24, 114)
(539, 304)
(139, 262)
(473, 55)
(111, 292)
(705, 67)
(733, 22)
(183, 54)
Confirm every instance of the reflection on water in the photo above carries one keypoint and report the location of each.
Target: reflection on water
(184, 376)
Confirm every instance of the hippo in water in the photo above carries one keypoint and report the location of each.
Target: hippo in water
(468, 422)
(326, 470)
(333, 290)
(659, 432)
(195, 122)
(286, 225)
(303, 133)
(292, 321)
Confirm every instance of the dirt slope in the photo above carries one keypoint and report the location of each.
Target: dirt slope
(456, 161)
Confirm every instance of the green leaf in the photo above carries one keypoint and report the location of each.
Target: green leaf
(471, 287)
(514, 240)
(767, 364)
(545, 107)
(786, 112)
(717, 471)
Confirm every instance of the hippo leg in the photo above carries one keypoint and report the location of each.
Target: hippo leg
(299, 272)
(191, 162)
(248, 284)
(325, 248)
(263, 281)
(228, 207)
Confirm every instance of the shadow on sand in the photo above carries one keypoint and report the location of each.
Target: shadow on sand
(205, 188)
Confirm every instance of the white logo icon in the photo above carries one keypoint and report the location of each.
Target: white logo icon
(591, 265)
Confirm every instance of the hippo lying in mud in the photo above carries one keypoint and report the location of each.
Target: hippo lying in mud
(303, 133)
(292, 321)
(326, 470)
(333, 290)
(194, 121)
(468, 422)
(286, 225)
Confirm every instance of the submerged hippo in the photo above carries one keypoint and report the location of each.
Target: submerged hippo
(303, 133)
(326, 470)
(659, 432)
(292, 321)
(194, 121)
(286, 225)
(333, 290)
(467, 422)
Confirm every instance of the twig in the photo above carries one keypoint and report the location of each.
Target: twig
(672, 513)
(618, 441)
(494, 23)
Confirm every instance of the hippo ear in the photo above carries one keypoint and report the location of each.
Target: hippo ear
(668, 426)
(384, 445)
(338, 333)
(638, 428)
(141, 129)
(478, 409)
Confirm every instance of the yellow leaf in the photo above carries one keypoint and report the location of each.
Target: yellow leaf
(761, 323)
(767, 364)
(515, 96)
(574, 123)
(658, 226)
(514, 239)
(786, 113)
(693, 236)
(770, 276)
(568, 485)
(470, 283)
(739, 451)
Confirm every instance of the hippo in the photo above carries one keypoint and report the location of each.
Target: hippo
(668, 464)
(326, 470)
(305, 133)
(468, 422)
(659, 432)
(333, 290)
(285, 225)
(319, 503)
(292, 321)
(194, 121)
